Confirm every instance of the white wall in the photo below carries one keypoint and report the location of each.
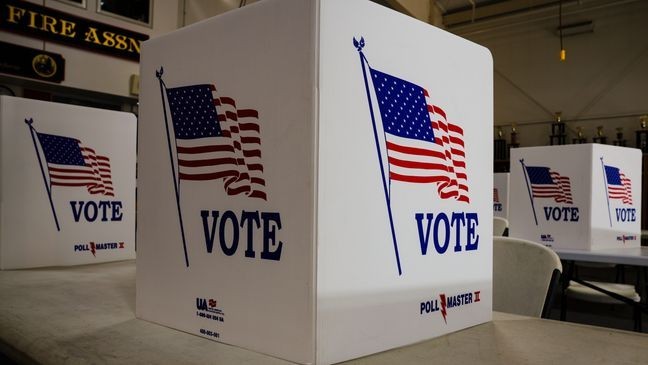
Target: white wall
(93, 71)
(605, 74)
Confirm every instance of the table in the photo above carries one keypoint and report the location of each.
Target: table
(85, 314)
(635, 256)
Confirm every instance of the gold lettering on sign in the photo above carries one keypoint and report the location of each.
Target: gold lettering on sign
(67, 28)
(91, 35)
(15, 14)
(32, 19)
(121, 41)
(71, 29)
(134, 45)
(109, 41)
(49, 24)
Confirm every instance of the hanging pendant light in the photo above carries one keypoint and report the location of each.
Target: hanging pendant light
(563, 54)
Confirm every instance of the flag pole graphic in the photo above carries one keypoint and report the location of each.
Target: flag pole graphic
(29, 122)
(607, 195)
(526, 180)
(158, 74)
(359, 45)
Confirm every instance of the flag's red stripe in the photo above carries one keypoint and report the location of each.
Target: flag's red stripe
(255, 140)
(252, 153)
(238, 190)
(207, 162)
(463, 198)
(247, 113)
(58, 169)
(205, 149)
(458, 152)
(416, 165)
(440, 125)
(258, 194)
(416, 179)
(68, 183)
(249, 127)
(227, 100)
(208, 176)
(457, 140)
(455, 128)
(74, 177)
(448, 194)
(231, 115)
(255, 167)
(414, 150)
(258, 181)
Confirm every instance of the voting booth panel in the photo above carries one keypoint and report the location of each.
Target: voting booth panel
(501, 194)
(395, 227)
(67, 184)
(306, 195)
(583, 197)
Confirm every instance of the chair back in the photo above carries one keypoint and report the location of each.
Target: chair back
(499, 226)
(525, 274)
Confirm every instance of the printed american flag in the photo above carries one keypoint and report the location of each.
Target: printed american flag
(619, 186)
(422, 146)
(70, 163)
(549, 184)
(216, 140)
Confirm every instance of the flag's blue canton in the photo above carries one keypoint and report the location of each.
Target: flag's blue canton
(403, 107)
(613, 175)
(193, 112)
(61, 150)
(539, 175)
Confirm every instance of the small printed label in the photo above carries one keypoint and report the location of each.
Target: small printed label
(210, 333)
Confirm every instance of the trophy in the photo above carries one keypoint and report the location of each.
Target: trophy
(500, 145)
(599, 138)
(642, 135)
(619, 135)
(514, 137)
(557, 131)
(580, 139)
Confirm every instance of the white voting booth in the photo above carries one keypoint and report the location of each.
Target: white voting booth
(501, 194)
(67, 184)
(582, 197)
(311, 180)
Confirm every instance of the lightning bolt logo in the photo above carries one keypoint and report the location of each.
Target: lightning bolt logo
(93, 249)
(443, 307)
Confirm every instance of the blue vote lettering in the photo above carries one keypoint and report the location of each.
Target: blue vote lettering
(626, 214)
(460, 225)
(565, 214)
(230, 227)
(104, 210)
